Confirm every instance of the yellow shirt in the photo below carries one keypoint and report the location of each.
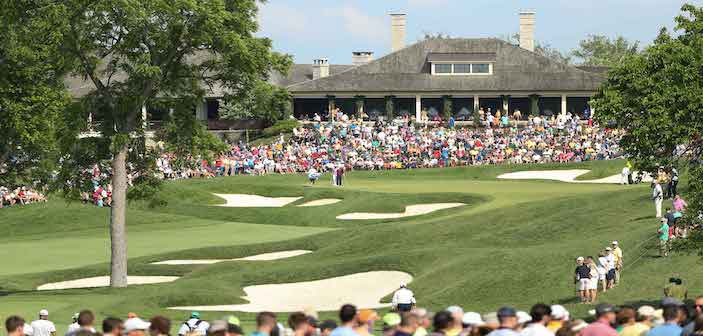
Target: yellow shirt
(637, 329)
(617, 254)
(553, 326)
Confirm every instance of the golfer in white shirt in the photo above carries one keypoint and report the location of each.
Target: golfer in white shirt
(42, 326)
(658, 197)
(403, 299)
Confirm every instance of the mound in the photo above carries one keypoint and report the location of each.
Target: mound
(364, 290)
(255, 201)
(258, 257)
(324, 201)
(410, 210)
(104, 281)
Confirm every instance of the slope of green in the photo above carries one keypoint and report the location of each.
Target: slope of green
(513, 243)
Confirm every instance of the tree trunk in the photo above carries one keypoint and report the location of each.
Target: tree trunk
(118, 230)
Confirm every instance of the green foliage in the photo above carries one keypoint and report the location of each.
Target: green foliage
(266, 101)
(541, 48)
(32, 95)
(599, 50)
(281, 127)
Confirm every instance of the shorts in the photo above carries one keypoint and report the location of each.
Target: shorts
(594, 284)
(584, 284)
(610, 275)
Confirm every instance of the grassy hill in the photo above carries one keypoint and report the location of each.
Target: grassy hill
(514, 242)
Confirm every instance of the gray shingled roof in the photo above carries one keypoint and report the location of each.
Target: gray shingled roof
(408, 70)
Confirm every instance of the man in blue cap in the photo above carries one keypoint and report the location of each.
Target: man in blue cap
(194, 324)
(507, 319)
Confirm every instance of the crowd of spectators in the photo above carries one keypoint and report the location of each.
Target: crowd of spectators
(673, 318)
(20, 196)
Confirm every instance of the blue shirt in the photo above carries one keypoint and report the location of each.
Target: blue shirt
(667, 329)
(343, 331)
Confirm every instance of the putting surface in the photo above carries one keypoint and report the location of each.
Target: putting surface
(513, 242)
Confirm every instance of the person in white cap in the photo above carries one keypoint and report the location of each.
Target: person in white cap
(657, 197)
(582, 278)
(42, 326)
(617, 254)
(540, 316)
(559, 316)
(403, 299)
(642, 324)
(456, 326)
(610, 270)
(471, 321)
(136, 327)
(73, 326)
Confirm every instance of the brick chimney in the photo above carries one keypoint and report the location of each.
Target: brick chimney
(361, 57)
(527, 30)
(398, 21)
(320, 68)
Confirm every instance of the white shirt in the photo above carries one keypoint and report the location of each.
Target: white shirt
(657, 191)
(43, 327)
(403, 296)
(611, 261)
(72, 327)
(536, 329)
(202, 327)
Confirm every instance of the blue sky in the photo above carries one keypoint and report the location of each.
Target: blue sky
(309, 29)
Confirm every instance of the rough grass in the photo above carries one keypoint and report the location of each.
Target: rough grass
(514, 242)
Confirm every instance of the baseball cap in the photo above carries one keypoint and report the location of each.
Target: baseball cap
(403, 284)
(615, 242)
(366, 315)
(391, 319)
(604, 308)
(472, 319)
(670, 301)
(135, 323)
(328, 324)
(194, 315)
(490, 318)
(646, 311)
(559, 312)
(523, 317)
(579, 259)
(663, 220)
(608, 248)
(455, 310)
(233, 320)
(506, 312)
(218, 325)
(43, 312)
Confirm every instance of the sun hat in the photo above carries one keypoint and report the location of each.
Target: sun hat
(472, 319)
(135, 323)
(523, 317)
(559, 312)
(455, 310)
(218, 325)
(506, 312)
(366, 315)
(391, 319)
(646, 311)
(43, 312)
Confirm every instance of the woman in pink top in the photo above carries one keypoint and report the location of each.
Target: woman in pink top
(679, 204)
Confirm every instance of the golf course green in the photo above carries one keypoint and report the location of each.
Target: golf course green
(513, 242)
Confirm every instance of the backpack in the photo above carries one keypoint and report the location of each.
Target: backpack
(192, 328)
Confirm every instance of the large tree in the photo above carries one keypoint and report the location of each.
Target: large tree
(599, 50)
(32, 95)
(135, 53)
(656, 96)
(542, 48)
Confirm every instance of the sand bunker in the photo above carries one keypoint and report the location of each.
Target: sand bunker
(255, 201)
(563, 176)
(364, 290)
(410, 210)
(258, 257)
(324, 201)
(104, 281)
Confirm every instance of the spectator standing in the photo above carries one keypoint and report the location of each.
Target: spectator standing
(403, 299)
(14, 325)
(605, 316)
(593, 288)
(457, 316)
(348, 317)
(679, 204)
(135, 327)
(674, 183)
(676, 289)
(657, 197)
(610, 275)
(74, 325)
(85, 321)
(194, 324)
(541, 315)
(299, 323)
(366, 318)
(642, 324)
(582, 279)
(441, 323)
(625, 175)
(112, 326)
(663, 232)
(603, 270)
(161, 326)
(265, 324)
(408, 325)
(42, 326)
(507, 322)
(691, 327)
(672, 317)
(559, 316)
(327, 326)
(472, 321)
(424, 321)
(617, 256)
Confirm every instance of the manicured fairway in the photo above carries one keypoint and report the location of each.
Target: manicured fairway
(513, 243)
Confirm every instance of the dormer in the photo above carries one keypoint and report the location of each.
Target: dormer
(462, 64)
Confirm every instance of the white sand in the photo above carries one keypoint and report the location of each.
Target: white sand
(258, 257)
(364, 290)
(410, 210)
(324, 201)
(569, 176)
(104, 281)
(255, 201)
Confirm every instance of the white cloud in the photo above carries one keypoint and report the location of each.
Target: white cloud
(361, 25)
(277, 19)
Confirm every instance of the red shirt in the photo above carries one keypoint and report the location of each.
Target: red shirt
(599, 328)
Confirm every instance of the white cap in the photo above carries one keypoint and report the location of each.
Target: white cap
(403, 284)
(455, 310)
(43, 312)
(472, 319)
(523, 317)
(28, 330)
(647, 311)
(615, 242)
(135, 323)
(608, 248)
(579, 259)
(559, 312)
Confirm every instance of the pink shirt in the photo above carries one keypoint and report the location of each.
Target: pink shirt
(679, 204)
(599, 328)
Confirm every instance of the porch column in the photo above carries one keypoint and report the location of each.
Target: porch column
(506, 104)
(359, 106)
(563, 104)
(330, 107)
(418, 108)
(145, 123)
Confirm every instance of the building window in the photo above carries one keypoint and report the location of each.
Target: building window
(462, 68)
(443, 68)
(480, 68)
